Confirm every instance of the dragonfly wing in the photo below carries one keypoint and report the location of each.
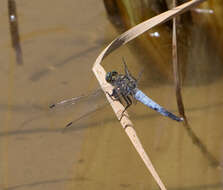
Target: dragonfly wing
(76, 100)
(66, 102)
(140, 96)
(87, 113)
(81, 106)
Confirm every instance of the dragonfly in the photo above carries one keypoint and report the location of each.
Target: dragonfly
(125, 90)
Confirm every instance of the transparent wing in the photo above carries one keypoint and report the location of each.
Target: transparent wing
(81, 106)
(77, 99)
(87, 113)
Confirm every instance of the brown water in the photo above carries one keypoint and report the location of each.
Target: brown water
(60, 41)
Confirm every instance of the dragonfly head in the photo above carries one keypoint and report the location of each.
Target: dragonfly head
(111, 76)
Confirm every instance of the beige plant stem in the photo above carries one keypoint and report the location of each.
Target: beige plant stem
(176, 70)
(100, 75)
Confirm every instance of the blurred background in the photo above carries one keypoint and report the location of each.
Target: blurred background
(47, 51)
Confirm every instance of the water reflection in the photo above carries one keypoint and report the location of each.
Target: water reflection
(204, 11)
(40, 74)
(80, 126)
(46, 157)
(14, 29)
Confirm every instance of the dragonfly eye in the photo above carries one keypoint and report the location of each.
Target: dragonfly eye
(111, 76)
(108, 77)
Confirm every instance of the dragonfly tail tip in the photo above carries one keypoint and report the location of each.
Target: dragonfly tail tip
(51, 106)
(68, 125)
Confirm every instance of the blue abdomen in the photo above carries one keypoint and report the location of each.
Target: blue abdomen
(140, 96)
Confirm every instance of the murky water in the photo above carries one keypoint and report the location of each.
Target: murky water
(60, 41)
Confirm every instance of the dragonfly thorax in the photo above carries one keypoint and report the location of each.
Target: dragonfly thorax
(123, 84)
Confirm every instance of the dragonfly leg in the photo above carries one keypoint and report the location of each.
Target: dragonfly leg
(125, 66)
(127, 73)
(128, 104)
(113, 96)
(139, 75)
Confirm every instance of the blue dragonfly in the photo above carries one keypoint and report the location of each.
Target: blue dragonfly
(125, 91)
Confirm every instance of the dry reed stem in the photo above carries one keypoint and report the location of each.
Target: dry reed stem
(14, 30)
(177, 80)
(100, 75)
(176, 70)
